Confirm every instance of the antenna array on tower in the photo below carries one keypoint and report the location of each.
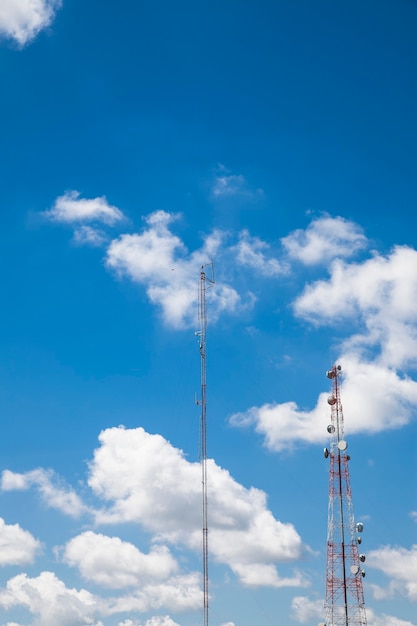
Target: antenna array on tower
(345, 605)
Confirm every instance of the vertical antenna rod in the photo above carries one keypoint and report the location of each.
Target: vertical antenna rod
(205, 283)
(345, 604)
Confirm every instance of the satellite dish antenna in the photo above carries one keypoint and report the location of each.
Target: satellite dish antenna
(359, 527)
(354, 569)
(330, 429)
(342, 445)
(326, 453)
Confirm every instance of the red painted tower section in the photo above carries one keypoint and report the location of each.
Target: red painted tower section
(345, 604)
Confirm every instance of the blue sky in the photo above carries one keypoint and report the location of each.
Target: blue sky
(140, 141)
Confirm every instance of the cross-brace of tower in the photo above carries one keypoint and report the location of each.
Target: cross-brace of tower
(345, 604)
(205, 283)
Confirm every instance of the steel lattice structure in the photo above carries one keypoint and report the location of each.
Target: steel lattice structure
(205, 283)
(345, 604)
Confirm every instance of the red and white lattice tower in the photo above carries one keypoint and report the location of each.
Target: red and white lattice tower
(345, 604)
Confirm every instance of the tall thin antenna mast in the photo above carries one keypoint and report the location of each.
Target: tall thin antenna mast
(205, 283)
(345, 604)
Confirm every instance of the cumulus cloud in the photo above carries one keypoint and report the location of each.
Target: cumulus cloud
(176, 594)
(384, 620)
(159, 260)
(17, 546)
(72, 209)
(380, 295)
(113, 563)
(400, 566)
(324, 239)
(50, 601)
(55, 494)
(22, 20)
(250, 252)
(154, 621)
(391, 405)
(305, 610)
(376, 299)
(144, 479)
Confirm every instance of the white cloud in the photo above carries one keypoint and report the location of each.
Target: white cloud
(22, 20)
(177, 594)
(250, 252)
(380, 294)
(391, 405)
(377, 299)
(384, 620)
(50, 601)
(70, 209)
(161, 621)
(17, 546)
(305, 610)
(87, 235)
(53, 493)
(146, 480)
(158, 259)
(113, 563)
(164, 620)
(228, 185)
(399, 565)
(324, 239)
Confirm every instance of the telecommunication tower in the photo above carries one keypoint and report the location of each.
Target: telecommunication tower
(345, 604)
(205, 283)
